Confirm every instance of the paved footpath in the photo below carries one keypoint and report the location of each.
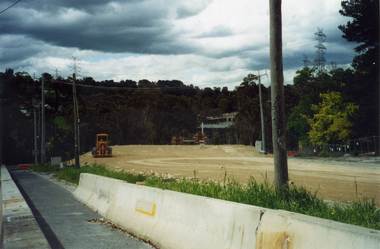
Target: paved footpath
(63, 219)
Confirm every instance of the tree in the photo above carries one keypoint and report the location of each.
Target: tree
(298, 126)
(363, 29)
(306, 87)
(247, 121)
(246, 102)
(305, 81)
(332, 119)
(224, 105)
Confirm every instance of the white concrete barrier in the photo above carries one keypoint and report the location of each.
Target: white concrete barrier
(282, 229)
(95, 192)
(176, 220)
(19, 228)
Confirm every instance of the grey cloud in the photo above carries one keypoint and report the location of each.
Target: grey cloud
(184, 12)
(133, 27)
(89, 6)
(217, 31)
(189, 9)
(18, 47)
(56, 27)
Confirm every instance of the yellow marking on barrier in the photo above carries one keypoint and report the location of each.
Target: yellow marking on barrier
(145, 208)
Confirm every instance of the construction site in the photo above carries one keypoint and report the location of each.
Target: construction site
(342, 179)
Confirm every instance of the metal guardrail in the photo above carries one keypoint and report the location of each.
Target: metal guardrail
(220, 125)
(361, 146)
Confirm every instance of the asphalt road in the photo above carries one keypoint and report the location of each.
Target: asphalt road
(63, 219)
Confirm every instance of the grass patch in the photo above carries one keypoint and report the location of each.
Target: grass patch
(44, 167)
(72, 174)
(297, 199)
(362, 212)
(331, 154)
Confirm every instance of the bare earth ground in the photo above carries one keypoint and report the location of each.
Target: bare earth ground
(334, 180)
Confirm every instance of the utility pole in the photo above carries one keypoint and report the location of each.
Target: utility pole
(263, 149)
(43, 160)
(35, 137)
(78, 126)
(277, 96)
(76, 147)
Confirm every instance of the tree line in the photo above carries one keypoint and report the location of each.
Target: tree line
(145, 113)
(153, 114)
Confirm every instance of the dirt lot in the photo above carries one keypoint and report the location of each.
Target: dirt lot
(334, 180)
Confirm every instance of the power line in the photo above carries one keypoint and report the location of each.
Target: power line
(10, 7)
(121, 88)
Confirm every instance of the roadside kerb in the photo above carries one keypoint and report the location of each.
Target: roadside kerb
(176, 220)
(19, 228)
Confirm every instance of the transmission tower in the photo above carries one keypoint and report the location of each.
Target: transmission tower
(320, 49)
(306, 61)
(75, 66)
(56, 70)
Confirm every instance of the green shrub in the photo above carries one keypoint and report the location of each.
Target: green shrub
(324, 154)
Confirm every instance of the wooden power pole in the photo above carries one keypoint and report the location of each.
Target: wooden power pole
(76, 147)
(277, 96)
(43, 158)
(263, 149)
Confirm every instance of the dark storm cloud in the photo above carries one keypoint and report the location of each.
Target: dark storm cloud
(89, 6)
(106, 26)
(221, 39)
(16, 47)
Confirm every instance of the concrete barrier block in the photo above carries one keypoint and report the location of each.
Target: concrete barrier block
(281, 229)
(135, 210)
(176, 220)
(95, 191)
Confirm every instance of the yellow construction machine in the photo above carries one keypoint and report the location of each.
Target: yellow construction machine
(102, 149)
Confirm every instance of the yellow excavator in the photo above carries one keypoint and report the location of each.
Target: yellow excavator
(102, 149)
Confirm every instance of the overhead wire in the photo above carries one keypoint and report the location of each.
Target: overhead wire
(121, 88)
(9, 7)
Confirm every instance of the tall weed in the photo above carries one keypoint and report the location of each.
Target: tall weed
(362, 212)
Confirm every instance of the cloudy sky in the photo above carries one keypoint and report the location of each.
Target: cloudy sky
(206, 43)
